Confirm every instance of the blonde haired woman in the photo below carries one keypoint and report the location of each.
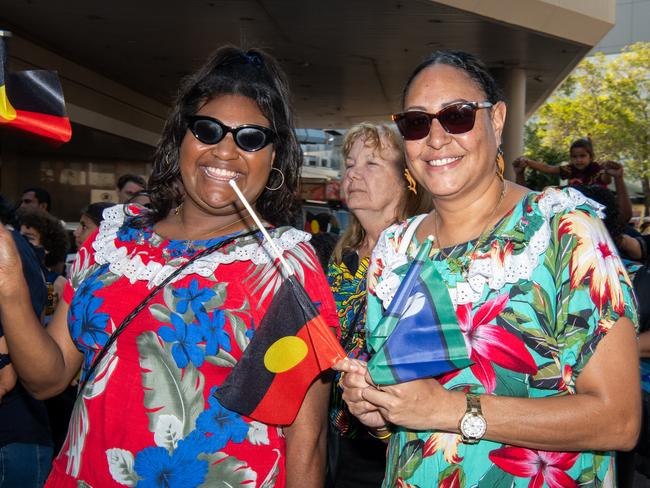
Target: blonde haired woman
(378, 194)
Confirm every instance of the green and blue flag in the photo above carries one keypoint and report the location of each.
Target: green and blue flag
(418, 336)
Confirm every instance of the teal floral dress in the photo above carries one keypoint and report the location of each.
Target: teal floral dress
(540, 294)
(148, 417)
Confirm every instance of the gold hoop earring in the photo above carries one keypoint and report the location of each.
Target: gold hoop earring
(501, 163)
(281, 182)
(411, 183)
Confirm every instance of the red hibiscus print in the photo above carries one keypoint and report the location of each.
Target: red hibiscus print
(488, 343)
(539, 466)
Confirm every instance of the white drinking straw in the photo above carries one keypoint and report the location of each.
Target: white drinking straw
(287, 269)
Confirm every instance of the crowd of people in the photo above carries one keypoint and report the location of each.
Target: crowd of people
(169, 287)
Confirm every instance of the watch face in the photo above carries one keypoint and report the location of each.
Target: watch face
(473, 426)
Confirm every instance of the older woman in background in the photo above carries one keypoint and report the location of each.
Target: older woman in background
(378, 193)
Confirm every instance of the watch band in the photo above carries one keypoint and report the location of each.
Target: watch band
(473, 404)
(472, 420)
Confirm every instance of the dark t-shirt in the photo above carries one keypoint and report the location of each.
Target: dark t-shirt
(22, 418)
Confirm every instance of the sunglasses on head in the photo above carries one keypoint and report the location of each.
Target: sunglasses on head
(250, 137)
(456, 118)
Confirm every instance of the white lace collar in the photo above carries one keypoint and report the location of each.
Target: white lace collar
(490, 271)
(131, 265)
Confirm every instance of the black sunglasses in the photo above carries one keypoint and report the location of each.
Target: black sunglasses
(456, 118)
(250, 137)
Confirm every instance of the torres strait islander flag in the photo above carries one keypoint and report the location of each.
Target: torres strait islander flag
(419, 335)
(291, 347)
(32, 101)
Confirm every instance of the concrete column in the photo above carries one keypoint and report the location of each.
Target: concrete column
(513, 83)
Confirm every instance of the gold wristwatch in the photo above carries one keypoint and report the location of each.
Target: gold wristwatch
(472, 425)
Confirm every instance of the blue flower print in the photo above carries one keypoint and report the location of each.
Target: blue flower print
(221, 425)
(213, 333)
(87, 326)
(177, 248)
(193, 297)
(158, 469)
(127, 233)
(90, 324)
(250, 331)
(185, 341)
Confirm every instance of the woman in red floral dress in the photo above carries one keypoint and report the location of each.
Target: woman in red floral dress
(147, 416)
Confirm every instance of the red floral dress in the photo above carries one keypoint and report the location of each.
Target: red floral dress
(148, 417)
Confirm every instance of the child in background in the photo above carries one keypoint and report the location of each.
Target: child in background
(580, 170)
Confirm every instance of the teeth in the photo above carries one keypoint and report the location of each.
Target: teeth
(443, 161)
(220, 172)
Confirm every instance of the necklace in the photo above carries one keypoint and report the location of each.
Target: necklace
(463, 262)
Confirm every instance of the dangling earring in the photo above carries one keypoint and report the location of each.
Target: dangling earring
(281, 182)
(501, 163)
(411, 183)
(178, 209)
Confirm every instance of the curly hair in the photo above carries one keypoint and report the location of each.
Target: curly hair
(54, 237)
(231, 71)
(470, 64)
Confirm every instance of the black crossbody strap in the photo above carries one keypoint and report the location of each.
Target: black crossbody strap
(148, 298)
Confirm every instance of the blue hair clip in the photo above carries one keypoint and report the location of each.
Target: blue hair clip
(254, 59)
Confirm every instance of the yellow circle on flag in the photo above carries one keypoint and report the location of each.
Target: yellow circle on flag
(284, 354)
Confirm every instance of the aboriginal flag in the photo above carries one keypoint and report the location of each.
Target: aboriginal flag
(292, 346)
(419, 335)
(32, 101)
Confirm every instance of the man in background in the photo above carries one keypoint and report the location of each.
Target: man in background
(128, 185)
(36, 198)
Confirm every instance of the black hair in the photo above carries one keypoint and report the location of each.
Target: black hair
(95, 211)
(232, 71)
(324, 244)
(470, 64)
(54, 237)
(7, 213)
(124, 179)
(605, 197)
(42, 195)
(585, 143)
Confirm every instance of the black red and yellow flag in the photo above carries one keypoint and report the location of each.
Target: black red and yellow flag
(32, 101)
(291, 347)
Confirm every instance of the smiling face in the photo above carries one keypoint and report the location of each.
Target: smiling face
(206, 169)
(372, 179)
(453, 164)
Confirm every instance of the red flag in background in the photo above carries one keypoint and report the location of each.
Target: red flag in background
(32, 101)
(291, 347)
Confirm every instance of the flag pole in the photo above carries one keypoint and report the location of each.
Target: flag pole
(287, 269)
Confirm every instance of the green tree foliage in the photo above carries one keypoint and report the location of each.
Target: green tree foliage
(535, 149)
(608, 99)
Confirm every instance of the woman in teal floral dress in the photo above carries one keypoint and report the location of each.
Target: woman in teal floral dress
(541, 298)
(148, 416)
